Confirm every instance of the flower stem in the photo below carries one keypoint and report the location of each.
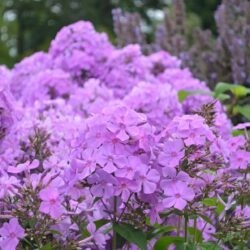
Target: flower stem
(114, 239)
(195, 226)
(186, 227)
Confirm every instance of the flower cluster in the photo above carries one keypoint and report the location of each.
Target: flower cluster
(93, 137)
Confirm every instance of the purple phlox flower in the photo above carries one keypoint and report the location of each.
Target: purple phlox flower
(147, 179)
(96, 132)
(235, 143)
(128, 166)
(172, 153)
(27, 166)
(85, 166)
(154, 213)
(114, 144)
(103, 184)
(146, 137)
(172, 176)
(125, 187)
(124, 122)
(178, 195)
(51, 202)
(242, 126)
(207, 229)
(11, 233)
(107, 159)
(192, 129)
(162, 60)
(71, 180)
(239, 159)
(97, 234)
(220, 147)
(243, 212)
(8, 185)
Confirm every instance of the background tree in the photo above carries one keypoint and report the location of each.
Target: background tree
(28, 25)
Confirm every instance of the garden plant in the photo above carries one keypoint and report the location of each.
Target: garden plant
(108, 148)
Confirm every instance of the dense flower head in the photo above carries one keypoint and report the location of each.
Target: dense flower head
(92, 135)
(6, 113)
(27, 68)
(158, 101)
(80, 50)
(121, 72)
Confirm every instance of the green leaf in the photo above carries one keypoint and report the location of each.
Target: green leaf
(195, 233)
(219, 208)
(211, 202)
(214, 202)
(205, 218)
(164, 242)
(160, 230)
(236, 90)
(183, 94)
(132, 235)
(223, 97)
(100, 223)
(209, 246)
(47, 247)
(244, 110)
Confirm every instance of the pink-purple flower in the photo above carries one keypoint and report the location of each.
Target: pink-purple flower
(10, 234)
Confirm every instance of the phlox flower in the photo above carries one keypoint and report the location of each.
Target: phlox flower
(103, 184)
(172, 176)
(239, 159)
(27, 166)
(11, 233)
(106, 159)
(128, 166)
(51, 203)
(86, 166)
(8, 185)
(147, 180)
(154, 213)
(172, 153)
(178, 195)
(125, 187)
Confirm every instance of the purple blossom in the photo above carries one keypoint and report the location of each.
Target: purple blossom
(178, 195)
(27, 166)
(51, 203)
(11, 233)
(148, 180)
(172, 153)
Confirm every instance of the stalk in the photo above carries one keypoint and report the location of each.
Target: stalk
(114, 239)
(186, 229)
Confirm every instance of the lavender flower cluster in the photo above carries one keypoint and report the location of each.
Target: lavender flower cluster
(224, 58)
(92, 136)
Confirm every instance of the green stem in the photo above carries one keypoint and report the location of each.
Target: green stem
(186, 227)
(114, 239)
(195, 226)
(179, 226)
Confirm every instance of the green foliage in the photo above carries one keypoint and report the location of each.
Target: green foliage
(237, 90)
(164, 242)
(234, 97)
(244, 110)
(132, 235)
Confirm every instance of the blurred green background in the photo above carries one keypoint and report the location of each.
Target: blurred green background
(29, 25)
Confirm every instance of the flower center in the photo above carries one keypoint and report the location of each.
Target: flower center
(52, 201)
(173, 154)
(12, 235)
(177, 195)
